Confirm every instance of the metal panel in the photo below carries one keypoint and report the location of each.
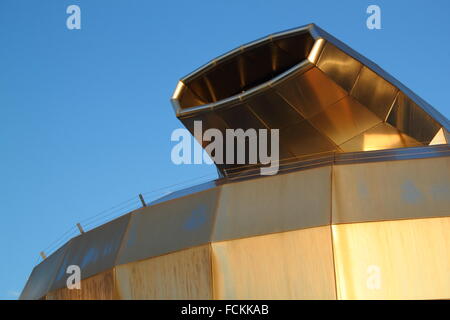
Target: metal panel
(201, 88)
(170, 226)
(383, 136)
(190, 99)
(409, 118)
(339, 66)
(185, 274)
(98, 287)
(344, 120)
(94, 251)
(274, 204)
(391, 190)
(303, 139)
(240, 117)
(288, 265)
(42, 275)
(223, 81)
(374, 92)
(310, 92)
(408, 259)
(273, 110)
(442, 137)
(209, 120)
(320, 33)
(297, 46)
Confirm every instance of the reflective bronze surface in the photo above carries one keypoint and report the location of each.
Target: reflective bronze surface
(301, 78)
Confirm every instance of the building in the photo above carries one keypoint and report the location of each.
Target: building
(360, 207)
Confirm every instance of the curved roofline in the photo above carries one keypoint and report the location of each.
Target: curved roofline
(316, 33)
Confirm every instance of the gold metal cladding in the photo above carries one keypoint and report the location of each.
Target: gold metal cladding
(93, 251)
(407, 259)
(383, 136)
(288, 265)
(311, 92)
(273, 110)
(319, 93)
(374, 92)
(339, 66)
(175, 225)
(274, 204)
(41, 278)
(185, 274)
(442, 137)
(409, 118)
(98, 287)
(344, 120)
(391, 190)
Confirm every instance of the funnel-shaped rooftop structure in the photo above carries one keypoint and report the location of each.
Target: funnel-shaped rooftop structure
(322, 96)
(359, 209)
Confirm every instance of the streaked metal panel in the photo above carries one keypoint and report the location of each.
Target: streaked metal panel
(310, 92)
(170, 226)
(374, 92)
(391, 190)
(339, 66)
(274, 110)
(185, 274)
(42, 275)
(274, 204)
(344, 120)
(303, 139)
(94, 251)
(383, 136)
(288, 265)
(409, 118)
(407, 259)
(98, 287)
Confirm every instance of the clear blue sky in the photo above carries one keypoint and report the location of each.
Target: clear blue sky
(85, 117)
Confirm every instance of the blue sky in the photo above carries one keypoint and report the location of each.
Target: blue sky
(85, 117)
